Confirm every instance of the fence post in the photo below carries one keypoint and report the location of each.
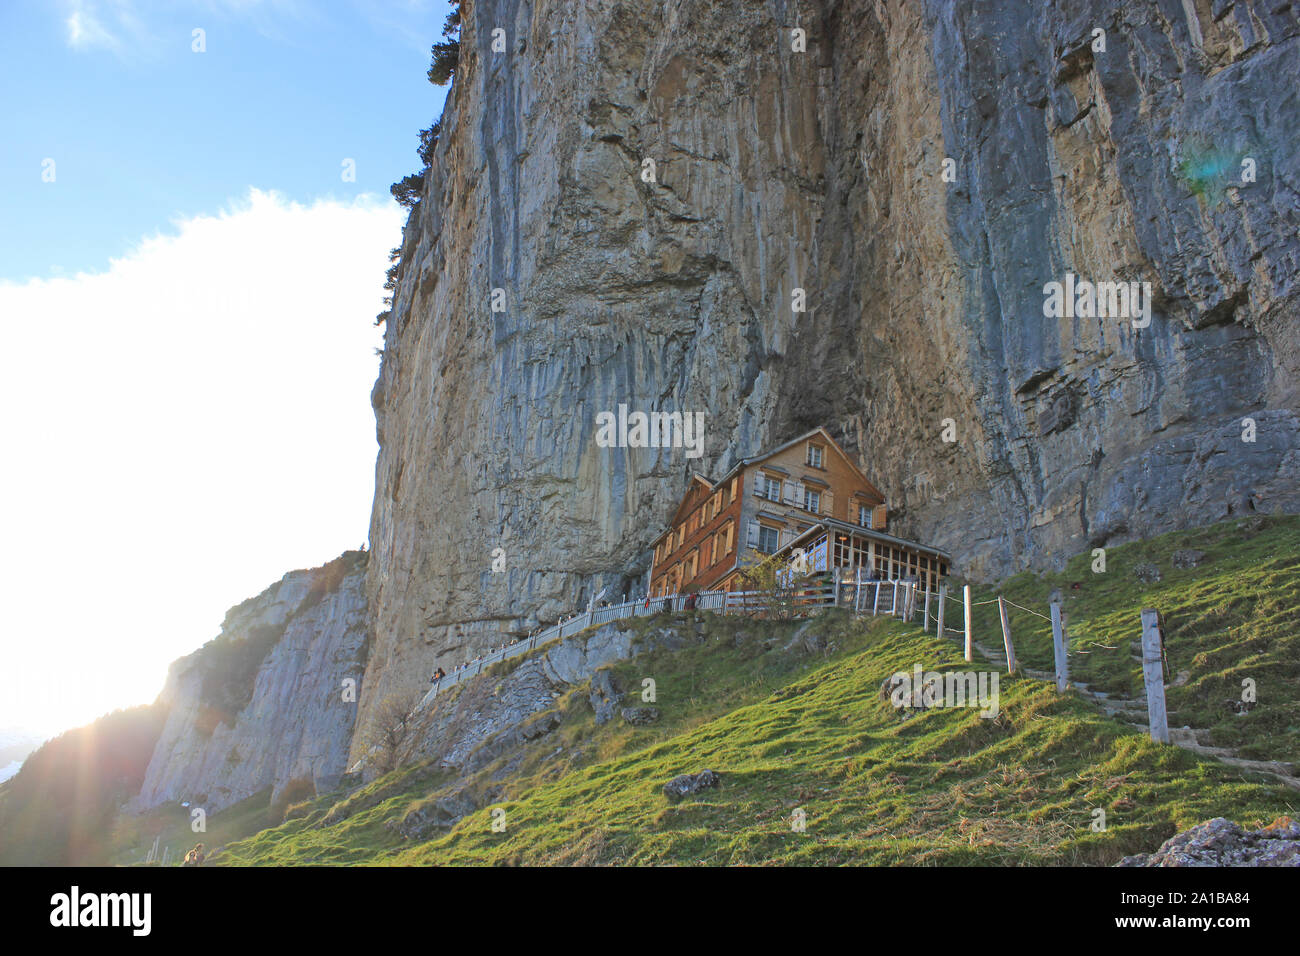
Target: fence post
(925, 619)
(1006, 635)
(966, 600)
(1059, 647)
(876, 603)
(943, 593)
(1153, 675)
(893, 608)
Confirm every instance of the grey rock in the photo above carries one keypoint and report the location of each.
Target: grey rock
(1146, 572)
(689, 784)
(439, 814)
(605, 695)
(1186, 559)
(640, 716)
(1220, 842)
(809, 638)
(295, 723)
(493, 717)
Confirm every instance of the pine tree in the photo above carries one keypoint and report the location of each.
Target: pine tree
(446, 56)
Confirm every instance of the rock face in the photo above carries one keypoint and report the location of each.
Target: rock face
(1221, 842)
(263, 703)
(775, 169)
(484, 717)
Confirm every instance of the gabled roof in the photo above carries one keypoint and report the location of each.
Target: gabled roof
(825, 435)
(758, 459)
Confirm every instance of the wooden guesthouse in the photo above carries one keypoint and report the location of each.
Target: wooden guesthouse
(806, 497)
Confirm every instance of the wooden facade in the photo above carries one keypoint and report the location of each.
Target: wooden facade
(804, 492)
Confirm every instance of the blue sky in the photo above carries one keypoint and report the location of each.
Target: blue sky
(143, 130)
(187, 337)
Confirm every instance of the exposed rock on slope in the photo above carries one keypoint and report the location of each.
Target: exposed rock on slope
(263, 704)
(822, 170)
(1221, 842)
(482, 718)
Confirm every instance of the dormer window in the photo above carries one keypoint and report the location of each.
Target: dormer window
(864, 516)
(814, 455)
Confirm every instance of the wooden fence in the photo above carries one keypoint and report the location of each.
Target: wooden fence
(899, 597)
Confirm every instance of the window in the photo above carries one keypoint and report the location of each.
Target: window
(771, 488)
(767, 539)
(812, 500)
(814, 455)
(864, 516)
(706, 553)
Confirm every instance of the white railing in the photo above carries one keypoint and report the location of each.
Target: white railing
(864, 596)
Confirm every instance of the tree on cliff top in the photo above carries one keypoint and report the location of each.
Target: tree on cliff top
(446, 56)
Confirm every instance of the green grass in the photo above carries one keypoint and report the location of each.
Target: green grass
(1235, 616)
(789, 731)
(132, 835)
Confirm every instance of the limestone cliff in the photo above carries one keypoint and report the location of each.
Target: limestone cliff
(263, 704)
(778, 169)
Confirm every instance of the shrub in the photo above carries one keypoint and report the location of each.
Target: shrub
(388, 728)
(429, 142)
(407, 190)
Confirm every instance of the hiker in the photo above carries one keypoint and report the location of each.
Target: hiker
(195, 857)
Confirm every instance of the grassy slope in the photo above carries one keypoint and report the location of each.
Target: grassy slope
(132, 835)
(1235, 616)
(944, 787)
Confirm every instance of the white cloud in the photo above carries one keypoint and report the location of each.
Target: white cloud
(178, 432)
(86, 30)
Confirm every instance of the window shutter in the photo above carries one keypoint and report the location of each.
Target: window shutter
(729, 527)
(787, 494)
(800, 494)
(827, 502)
(878, 518)
(752, 540)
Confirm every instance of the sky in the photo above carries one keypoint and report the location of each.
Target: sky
(188, 283)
